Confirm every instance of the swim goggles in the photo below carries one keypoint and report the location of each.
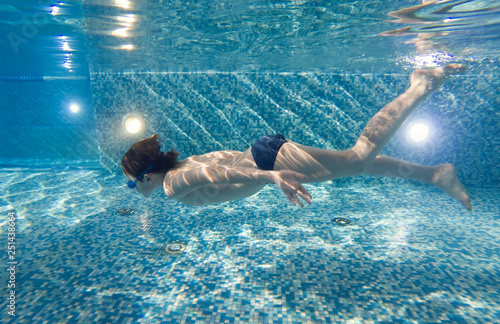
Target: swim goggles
(132, 183)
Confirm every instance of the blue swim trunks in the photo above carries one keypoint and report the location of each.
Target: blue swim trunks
(265, 150)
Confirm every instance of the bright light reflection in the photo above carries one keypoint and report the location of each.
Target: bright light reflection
(120, 32)
(418, 132)
(133, 125)
(122, 3)
(429, 60)
(54, 11)
(66, 46)
(128, 47)
(128, 19)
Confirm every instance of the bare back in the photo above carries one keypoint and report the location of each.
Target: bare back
(232, 158)
(214, 193)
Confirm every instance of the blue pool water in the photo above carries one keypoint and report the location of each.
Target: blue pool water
(215, 75)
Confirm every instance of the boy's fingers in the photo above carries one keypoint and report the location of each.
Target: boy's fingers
(305, 192)
(299, 202)
(304, 198)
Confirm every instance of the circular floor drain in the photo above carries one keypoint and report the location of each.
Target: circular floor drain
(125, 211)
(175, 248)
(341, 221)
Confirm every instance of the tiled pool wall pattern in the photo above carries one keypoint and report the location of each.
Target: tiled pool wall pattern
(412, 255)
(201, 112)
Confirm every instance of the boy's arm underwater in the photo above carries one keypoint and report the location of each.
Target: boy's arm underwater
(180, 183)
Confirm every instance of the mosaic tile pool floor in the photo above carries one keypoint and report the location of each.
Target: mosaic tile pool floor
(411, 255)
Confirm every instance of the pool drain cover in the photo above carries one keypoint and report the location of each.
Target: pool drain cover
(125, 211)
(341, 221)
(175, 248)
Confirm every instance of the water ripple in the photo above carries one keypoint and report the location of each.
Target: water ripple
(457, 26)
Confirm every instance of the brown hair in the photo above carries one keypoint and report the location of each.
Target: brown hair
(145, 152)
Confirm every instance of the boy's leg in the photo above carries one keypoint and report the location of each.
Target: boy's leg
(443, 176)
(390, 167)
(382, 127)
(321, 165)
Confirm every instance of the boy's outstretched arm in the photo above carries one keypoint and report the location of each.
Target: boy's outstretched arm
(178, 184)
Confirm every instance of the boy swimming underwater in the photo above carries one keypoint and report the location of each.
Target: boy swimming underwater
(228, 175)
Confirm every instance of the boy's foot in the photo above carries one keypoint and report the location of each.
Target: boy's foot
(446, 179)
(434, 78)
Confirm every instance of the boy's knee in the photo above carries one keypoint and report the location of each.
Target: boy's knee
(361, 157)
(359, 163)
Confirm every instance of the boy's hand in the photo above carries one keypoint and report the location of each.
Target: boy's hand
(289, 182)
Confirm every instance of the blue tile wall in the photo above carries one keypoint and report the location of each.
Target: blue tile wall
(201, 112)
(37, 124)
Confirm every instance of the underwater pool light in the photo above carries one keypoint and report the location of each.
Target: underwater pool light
(74, 108)
(418, 132)
(133, 123)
